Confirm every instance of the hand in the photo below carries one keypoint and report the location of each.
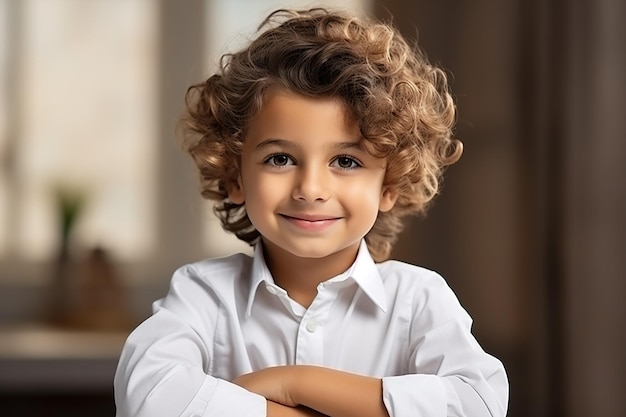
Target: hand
(272, 383)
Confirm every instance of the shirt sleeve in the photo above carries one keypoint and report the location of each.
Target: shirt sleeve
(161, 371)
(451, 375)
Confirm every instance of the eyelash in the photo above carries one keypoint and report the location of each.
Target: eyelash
(271, 160)
(354, 163)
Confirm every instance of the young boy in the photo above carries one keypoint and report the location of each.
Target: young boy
(315, 141)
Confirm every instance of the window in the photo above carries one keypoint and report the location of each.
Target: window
(78, 116)
(84, 89)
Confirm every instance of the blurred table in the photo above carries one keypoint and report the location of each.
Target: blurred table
(40, 358)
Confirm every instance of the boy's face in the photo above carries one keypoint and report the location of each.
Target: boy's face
(308, 188)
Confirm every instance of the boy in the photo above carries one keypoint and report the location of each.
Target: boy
(315, 141)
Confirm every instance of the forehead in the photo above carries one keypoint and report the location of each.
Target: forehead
(296, 116)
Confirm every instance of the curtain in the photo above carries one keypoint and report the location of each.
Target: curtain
(529, 229)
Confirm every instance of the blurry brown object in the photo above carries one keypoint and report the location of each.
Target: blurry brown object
(86, 293)
(97, 299)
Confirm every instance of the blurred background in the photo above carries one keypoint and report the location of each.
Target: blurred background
(98, 204)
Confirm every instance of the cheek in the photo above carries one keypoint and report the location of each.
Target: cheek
(259, 193)
(364, 199)
(367, 189)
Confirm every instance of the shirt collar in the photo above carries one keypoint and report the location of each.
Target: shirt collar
(363, 272)
(259, 274)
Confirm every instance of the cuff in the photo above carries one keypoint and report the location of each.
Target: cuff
(415, 395)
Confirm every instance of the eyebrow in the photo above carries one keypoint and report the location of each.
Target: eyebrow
(289, 144)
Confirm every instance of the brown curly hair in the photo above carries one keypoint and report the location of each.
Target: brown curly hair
(401, 103)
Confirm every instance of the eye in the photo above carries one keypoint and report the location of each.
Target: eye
(346, 162)
(279, 160)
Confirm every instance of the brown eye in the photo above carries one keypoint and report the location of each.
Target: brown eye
(279, 160)
(346, 162)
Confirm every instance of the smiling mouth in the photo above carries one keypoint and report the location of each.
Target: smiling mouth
(311, 219)
(311, 223)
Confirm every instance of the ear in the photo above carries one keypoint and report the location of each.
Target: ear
(388, 199)
(235, 191)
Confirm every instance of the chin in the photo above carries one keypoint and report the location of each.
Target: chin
(310, 254)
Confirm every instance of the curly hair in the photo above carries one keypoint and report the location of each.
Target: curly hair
(400, 101)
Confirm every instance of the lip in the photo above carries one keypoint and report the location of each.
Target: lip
(311, 222)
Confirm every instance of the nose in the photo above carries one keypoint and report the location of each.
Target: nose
(311, 184)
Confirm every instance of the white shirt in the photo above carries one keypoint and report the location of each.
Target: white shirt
(226, 317)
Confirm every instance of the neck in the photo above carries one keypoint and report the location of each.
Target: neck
(300, 276)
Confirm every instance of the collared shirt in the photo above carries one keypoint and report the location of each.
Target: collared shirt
(226, 317)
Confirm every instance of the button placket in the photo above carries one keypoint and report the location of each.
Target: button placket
(311, 325)
(310, 343)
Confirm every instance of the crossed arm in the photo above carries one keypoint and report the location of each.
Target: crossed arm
(313, 391)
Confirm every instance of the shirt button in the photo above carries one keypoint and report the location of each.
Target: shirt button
(311, 326)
